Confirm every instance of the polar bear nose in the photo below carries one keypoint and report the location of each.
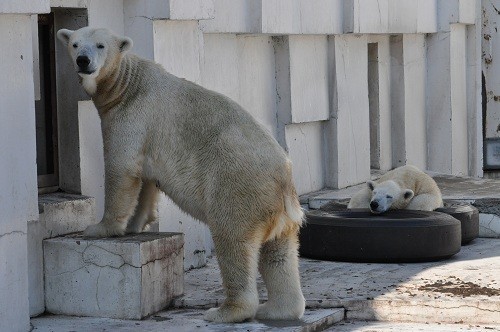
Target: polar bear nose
(373, 205)
(82, 61)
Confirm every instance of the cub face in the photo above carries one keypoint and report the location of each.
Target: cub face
(93, 52)
(387, 195)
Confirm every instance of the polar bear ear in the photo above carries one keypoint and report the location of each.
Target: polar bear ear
(64, 35)
(371, 185)
(408, 194)
(125, 44)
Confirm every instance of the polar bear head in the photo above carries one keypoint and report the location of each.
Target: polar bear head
(94, 52)
(387, 195)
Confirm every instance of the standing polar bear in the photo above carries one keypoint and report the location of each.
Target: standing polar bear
(405, 187)
(209, 156)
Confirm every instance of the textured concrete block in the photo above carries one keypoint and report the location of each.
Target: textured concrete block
(128, 277)
(392, 16)
(302, 16)
(306, 149)
(257, 79)
(172, 38)
(489, 225)
(191, 9)
(309, 84)
(234, 16)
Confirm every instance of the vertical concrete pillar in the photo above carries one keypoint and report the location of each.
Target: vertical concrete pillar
(18, 183)
(379, 83)
(447, 129)
(348, 131)
(408, 100)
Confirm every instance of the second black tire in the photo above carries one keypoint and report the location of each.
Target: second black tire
(468, 216)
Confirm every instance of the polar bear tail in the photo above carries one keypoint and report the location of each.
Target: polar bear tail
(289, 220)
(293, 210)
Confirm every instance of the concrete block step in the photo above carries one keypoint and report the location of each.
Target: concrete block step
(185, 320)
(127, 277)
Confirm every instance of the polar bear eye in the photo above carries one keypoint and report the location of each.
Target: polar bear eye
(101, 46)
(389, 197)
(75, 45)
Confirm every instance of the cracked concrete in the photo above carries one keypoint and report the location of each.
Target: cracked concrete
(13, 232)
(185, 321)
(387, 292)
(128, 277)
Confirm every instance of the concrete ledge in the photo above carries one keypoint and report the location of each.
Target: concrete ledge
(59, 214)
(128, 277)
(188, 320)
(64, 213)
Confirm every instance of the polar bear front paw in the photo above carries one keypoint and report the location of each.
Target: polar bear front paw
(227, 314)
(103, 230)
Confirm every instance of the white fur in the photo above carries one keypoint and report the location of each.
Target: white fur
(210, 156)
(89, 83)
(405, 187)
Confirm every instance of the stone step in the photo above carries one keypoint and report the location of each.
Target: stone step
(127, 277)
(59, 214)
(186, 320)
(370, 326)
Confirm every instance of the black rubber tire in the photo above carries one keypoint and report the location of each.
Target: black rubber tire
(397, 236)
(468, 216)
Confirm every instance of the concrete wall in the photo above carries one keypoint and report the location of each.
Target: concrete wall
(18, 183)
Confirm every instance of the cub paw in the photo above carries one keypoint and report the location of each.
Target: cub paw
(103, 230)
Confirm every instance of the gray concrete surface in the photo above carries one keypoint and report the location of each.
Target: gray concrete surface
(364, 326)
(464, 288)
(184, 320)
(459, 294)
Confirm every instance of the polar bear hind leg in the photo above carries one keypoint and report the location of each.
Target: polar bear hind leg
(278, 266)
(237, 255)
(425, 202)
(145, 212)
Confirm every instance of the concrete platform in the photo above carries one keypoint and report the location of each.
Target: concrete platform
(184, 320)
(460, 294)
(363, 326)
(465, 288)
(484, 194)
(127, 277)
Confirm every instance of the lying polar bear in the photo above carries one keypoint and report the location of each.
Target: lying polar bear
(209, 156)
(405, 187)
